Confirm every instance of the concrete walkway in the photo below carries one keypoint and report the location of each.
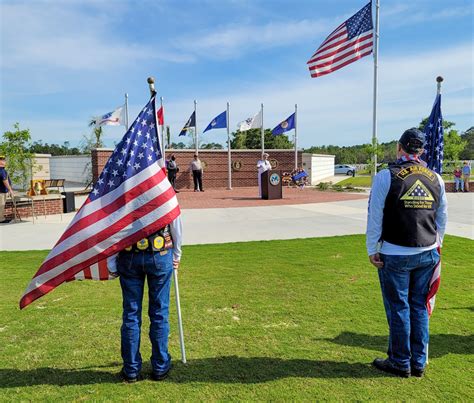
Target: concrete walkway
(237, 224)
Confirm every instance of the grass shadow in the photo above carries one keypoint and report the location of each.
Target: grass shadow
(440, 344)
(225, 369)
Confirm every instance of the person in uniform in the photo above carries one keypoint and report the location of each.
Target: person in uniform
(262, 165)
(153, 258)
(196, 169)
(405, 226)
(172, 168)
(5, 188)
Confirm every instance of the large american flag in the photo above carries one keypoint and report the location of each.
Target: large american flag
(434, 132)
(131, 200)
(434, 285)
(350, 41)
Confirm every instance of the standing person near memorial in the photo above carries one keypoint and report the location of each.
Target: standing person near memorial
(405, 226)
(173, 169)
(5, 188)
(196, 169)
(263, 165)
(458, 181)
(466, 175)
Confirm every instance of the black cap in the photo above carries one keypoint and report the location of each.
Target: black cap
(412, 140)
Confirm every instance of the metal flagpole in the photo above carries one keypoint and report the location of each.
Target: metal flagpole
(376, 54)
(262, 134)
(151, 83)
(296, 137)
(196, 138)
(126, 112)
(229, 157)
(162, 129)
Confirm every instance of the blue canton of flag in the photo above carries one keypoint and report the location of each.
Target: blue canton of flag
(137, 150)
(219, 122)
(434, 132)
(286, 125)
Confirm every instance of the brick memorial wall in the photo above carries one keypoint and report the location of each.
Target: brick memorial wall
(48, 205)
(244, 165)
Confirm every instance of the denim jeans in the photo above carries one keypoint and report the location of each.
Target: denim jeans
(133, 269)
(404, 281)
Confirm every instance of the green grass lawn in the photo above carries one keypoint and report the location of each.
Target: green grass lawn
(299, 320)
(357, 181)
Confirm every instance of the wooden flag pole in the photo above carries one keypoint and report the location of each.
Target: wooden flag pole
(151, 83)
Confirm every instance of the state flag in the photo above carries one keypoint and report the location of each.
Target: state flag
(287, 125)
(219, 122)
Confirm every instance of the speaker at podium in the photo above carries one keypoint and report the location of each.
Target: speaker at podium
(271, 185)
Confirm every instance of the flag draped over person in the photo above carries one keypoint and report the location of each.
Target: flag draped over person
(190, 123)
(219, 122)
(114, 118)
(434, 143)
(285, 126)
(251, 123)
(350, 41)
(132, 199)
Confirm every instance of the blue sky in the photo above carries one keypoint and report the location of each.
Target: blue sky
(63, 62)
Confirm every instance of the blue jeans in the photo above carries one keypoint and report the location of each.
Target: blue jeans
(458, 183)
(404, 281)
(133, 269)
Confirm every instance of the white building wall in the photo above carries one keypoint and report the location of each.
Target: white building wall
(318, 166)
(73, 168)
(41, 168)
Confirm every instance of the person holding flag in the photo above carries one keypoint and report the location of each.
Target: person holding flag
(131, 220)
(405, 227)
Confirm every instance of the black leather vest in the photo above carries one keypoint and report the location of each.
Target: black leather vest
(411, 204)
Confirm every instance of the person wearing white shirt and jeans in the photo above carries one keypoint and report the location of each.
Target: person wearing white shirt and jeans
(263, 165)
(405, 226)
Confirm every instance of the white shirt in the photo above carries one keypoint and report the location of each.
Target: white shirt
(263, 165)
(176, 228)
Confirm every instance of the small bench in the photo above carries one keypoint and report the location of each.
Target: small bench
(54, 183)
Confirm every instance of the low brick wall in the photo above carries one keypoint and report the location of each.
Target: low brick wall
(244, 171)
(41, 207)
(450, 186)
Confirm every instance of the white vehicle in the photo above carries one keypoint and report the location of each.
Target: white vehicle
(344, 169)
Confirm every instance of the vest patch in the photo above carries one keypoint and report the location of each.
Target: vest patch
(416, 169)
(418, 196)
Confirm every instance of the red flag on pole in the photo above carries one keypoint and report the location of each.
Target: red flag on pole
(160, 116)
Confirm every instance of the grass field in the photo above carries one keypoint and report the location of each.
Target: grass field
(357, 181)
(299, 320)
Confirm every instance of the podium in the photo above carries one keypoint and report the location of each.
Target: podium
(271, 185)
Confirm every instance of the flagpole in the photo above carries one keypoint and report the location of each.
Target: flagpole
(229, 156)
(262, 134)
(126, 112)
(296, 137)
(151, 84)
(196, 139)
(376, 54)
(162, 129)
(439, 80)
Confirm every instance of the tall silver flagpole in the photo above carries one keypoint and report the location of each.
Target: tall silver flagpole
(151, 84)
(196, 137)
(376, 55)
(262, 134)
(296, 137)
(126, 112)
(229, 157)
(162, 129)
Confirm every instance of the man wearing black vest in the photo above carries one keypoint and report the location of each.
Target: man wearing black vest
(405, 226)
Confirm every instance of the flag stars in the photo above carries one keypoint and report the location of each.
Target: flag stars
(136, 165)
(110, 183)
(139, 133)
(100, 181)
(135, 143)
(152, 126)
(144, 145)
(123, 151)
(148, 112)
(95, 191)
(114, 172)
(119, 163)
(144, 122)
(149, 157)
(140, 155)
(147, 135)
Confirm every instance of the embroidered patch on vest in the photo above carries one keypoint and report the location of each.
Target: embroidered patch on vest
(418, 196)
(416, 169)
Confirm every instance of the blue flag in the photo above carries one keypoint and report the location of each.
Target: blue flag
(219, 122)
(434, 132)
(286, 125)
(190, 123)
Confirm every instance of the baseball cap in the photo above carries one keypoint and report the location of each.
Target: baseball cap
(412, 140)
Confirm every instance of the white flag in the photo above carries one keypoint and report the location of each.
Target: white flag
(114, 118)
(251, 123)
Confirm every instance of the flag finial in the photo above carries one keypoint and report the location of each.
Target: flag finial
(439, 80)
(151, 84)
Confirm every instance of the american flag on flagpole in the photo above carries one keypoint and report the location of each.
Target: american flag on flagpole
(131, 200)
(350, 41)
(434, 286)
(434, 132)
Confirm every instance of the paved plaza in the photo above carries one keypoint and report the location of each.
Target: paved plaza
(220, 216)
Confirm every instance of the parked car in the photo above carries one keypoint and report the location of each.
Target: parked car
(344, 169)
